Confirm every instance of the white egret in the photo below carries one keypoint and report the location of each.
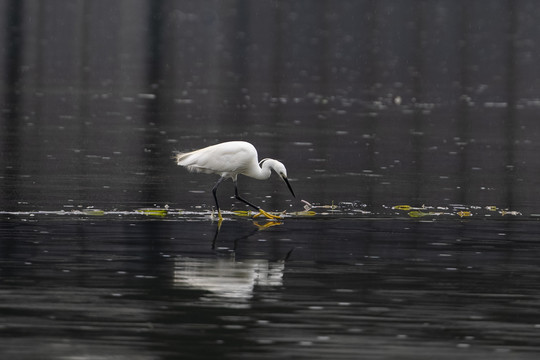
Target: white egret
(229, 159)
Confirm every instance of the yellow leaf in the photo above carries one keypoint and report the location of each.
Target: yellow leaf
(153, 212)
(417, 213)
(402, 207)
(93, 212)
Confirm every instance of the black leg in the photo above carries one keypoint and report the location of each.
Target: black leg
(214, 191)
(243, 200)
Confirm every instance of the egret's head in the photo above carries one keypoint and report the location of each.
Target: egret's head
(279, 168)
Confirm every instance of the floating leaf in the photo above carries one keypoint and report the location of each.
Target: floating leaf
(93, 212)
(153, 212)
(402, 207)
(304, 213)
(417, 214)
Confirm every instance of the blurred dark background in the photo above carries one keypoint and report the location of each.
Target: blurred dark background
(382, 102)
(369, 103)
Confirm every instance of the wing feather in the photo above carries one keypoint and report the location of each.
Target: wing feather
(224, 159)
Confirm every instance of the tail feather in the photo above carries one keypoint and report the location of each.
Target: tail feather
(182, 159)
(188, 161)
(178, 156)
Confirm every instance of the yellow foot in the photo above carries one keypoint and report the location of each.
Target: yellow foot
(268, 216)
(220, 218)
(220, 221)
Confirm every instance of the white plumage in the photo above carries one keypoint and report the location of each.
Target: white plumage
(229, 159)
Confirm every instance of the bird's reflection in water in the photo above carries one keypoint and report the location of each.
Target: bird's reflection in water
(225, 279)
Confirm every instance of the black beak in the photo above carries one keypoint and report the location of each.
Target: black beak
(288, 185)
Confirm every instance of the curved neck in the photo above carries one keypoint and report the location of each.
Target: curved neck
(264, 172)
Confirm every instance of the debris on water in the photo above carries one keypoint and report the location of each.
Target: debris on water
(346, 205)
(505, 212)
(245, 213)
(408, 207)
(342, 209)
(303, 213)
(93, 212)
(153, 211)
(331, 207)
(307, 205)
(453, 210)
(416, 213)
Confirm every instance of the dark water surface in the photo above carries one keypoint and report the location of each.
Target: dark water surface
(364, 288)
(411, 137)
